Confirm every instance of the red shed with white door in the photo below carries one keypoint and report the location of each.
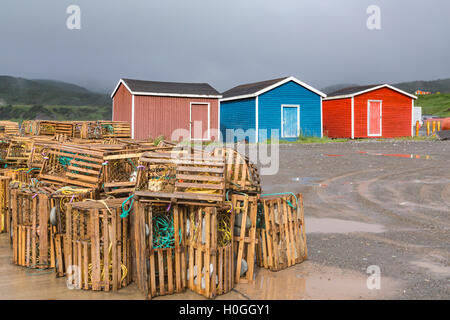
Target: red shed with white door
(156, 108)
(368, 112)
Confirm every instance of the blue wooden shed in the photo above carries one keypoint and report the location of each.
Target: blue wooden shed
(285, 104)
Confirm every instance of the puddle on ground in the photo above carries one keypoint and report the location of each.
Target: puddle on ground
(406, 155)
(433, 267)
(307, 181)
(329, 225)
(398, 155)
(310, 281)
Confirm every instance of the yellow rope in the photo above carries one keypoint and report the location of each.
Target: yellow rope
(71, 190)
(102, 267)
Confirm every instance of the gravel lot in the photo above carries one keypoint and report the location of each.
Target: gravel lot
(400, 187)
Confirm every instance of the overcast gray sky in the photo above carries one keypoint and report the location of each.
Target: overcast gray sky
(226, 42)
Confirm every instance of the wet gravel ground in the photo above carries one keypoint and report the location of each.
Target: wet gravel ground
(384, 203)
(403, 186)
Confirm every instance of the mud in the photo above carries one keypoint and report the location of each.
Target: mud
(376, 203)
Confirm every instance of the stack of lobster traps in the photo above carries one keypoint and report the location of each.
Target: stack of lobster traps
(87, 130)
(103, 210)
(205, 207)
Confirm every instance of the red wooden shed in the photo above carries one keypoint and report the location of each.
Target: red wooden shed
(368, 112)
(156, 108)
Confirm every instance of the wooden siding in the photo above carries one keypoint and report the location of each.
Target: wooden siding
(155, 116)
(237, 114)
(290, 93)
(396, 113)
(122, 101)
(337, 118)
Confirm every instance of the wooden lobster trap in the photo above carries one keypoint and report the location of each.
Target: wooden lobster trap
(4, 146)
(19, 151)
(58, 203)
(209, 236)
(245, 211)
(4, 204)
(98, 245)
(182, 178)
(105, 130)
(72, 166)
(23, 176)
(38, 153)
(31, 235)
(120, 172)
(9, 127)
(240, 173)
(160, 248)
(115, 129)
(53, 128)
(28, 127)
(282, 237)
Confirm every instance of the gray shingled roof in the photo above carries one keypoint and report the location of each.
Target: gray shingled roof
(250, 88)
(352, 90)
(171, 87)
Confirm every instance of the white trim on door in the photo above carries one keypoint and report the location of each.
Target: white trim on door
(218, 121)
(256, 119)
(353, 117)
(298, 119)
(321, 118)
(412, 118)
(368, 118)
(209, 120)
(132, 116)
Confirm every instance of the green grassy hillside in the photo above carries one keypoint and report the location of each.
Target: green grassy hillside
(30, 112)
(435, 104)
(23, 99)
(19, 91)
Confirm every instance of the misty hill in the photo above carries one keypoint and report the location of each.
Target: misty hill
(336, 87)
(20, 91)
(441, 85)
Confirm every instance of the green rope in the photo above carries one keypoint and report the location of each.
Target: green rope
(163, 232)
(33, 169)
(134, 166)
(108, 128)
(64, 161)
(125, 212)
(283, 193)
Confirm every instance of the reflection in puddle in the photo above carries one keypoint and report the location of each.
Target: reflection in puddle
(328, 225)
(406, 155)
(311, 281)
(308, 181)
(398, 155)
(285, 286)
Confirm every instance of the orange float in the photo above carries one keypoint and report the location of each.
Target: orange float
(445, 124)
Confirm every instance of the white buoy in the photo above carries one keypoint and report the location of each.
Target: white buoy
(53, 219)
